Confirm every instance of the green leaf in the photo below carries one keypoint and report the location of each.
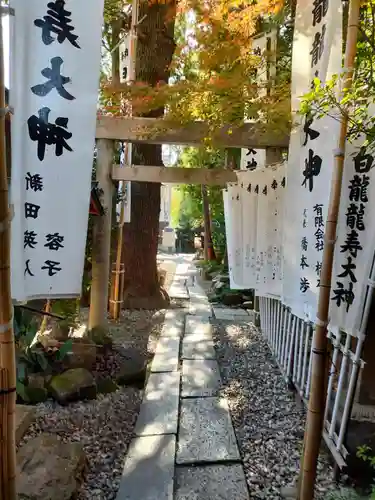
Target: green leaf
(64, 349)
(21, 371)
(22, 391)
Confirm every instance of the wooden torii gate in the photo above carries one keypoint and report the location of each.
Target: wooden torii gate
(159, 131)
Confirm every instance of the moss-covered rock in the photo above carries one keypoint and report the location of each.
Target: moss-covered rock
(73, 385)
(106, 386)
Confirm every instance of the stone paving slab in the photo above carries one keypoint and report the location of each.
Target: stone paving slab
(149, 469)
(178, 290)
(173, 317)
(211, 482)
(227, 315)
(205, 433)
(200, 310)
(167, 353)
(200, 378)
(198, 346)
(159, 408)
(198, 325)
(228, 311)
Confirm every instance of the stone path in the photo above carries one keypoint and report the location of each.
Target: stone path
(184, 447)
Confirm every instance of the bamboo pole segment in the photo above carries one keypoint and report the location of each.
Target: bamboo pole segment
(47, 310)
(315, 416)
(7, 349)
(3, 433)
(114, 306)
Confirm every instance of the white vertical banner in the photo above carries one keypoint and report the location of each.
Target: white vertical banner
(274, 229)
(124, 187)
(256, 158)
(55, 65)
(249, 225)
(260, 189)
(165, 203)
(354, 249)
(233, 225)
(317, 33)
(125, 51)
(252, 158)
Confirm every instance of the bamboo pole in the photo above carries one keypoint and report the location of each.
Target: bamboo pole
(7, 348)
(315, 416)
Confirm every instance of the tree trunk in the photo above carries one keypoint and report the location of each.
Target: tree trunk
(209, 252)
(155, 48)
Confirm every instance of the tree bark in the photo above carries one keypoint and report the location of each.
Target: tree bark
(155, 48)
(209, 252)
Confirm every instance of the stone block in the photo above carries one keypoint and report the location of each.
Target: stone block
(159, 409)
(200, 378)
(206, 433)
(149, 469)
(211, 482)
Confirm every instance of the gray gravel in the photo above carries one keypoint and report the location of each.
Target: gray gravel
(269, 424)
(104, 426)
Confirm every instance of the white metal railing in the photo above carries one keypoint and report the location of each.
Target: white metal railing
(291, 340)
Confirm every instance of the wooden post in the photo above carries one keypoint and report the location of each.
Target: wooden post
(7, 349)
(315, 416)
(101, 245)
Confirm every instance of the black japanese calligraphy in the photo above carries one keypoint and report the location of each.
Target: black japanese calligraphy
(319, 11)
(319, 244)
(55, 81)
(29, 239)
(318, 268)
(54, 241)
(358, 188)
(249, 188)
(343, 295)
(251, 165)
(363, 162)
(318, 209)
(48, 134)
(304, 244)
(303, 264)
(124, 54)
(27, 268)
(349, 269)
(283, 182)
(309, 132)
(34, 182)
(304, 285)
(52, 267)
(354, 216)
(274, 184)
(352, 244)
(264, 190)
(256, 190)
(57, 21)
(317, 47)
(31, 211)
(124, 73)
(313, 165)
